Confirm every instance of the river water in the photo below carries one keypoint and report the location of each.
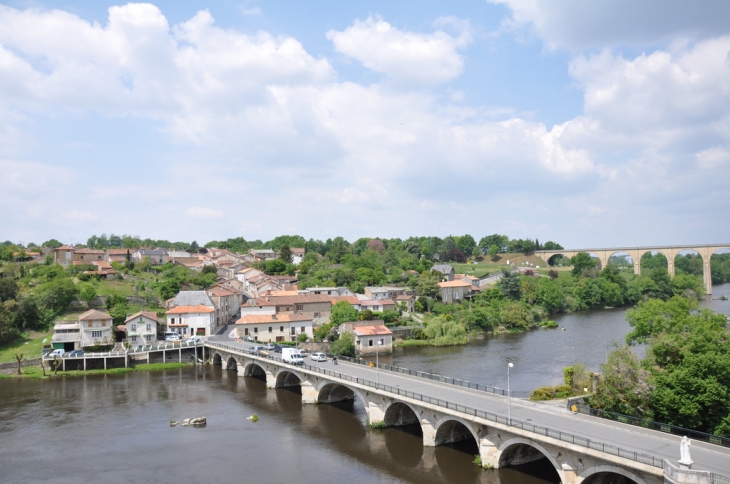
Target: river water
(115, 428)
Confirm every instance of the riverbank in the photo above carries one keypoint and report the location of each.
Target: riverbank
(36, 372)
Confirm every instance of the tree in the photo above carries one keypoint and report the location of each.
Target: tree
(19, 358)
(550, 245)
(493, 251)
(87, 293)
(510, 285)
(52, 244)
(342, 312)
(193, 248)
(344, 346)
(466, 244)
(210, 269)
(625, 387)
(376, 245)
(8, 289)
(57, 294)
(580, 262)
(427, 287)
(285, 254)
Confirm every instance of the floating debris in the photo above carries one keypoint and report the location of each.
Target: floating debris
(173, 423)
(253, 418)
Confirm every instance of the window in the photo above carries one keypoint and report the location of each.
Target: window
(293, 331)
(370, 342)
(134, 327)
(96, 334)
(148, 338)
(303, 330)
(270, 330)
(149, 327)
(256, 330)
(456, 295)
(281, 329)
(133, 339)
(172, 320)
(245, 331)
(103, 322)
(300, 307)
(316, 315)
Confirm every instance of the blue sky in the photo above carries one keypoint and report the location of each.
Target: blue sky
(592, 124)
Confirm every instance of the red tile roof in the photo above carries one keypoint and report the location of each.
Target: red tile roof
(272, 318)
(377, 302)
(454, 284)
(371, 330)
(190, 309)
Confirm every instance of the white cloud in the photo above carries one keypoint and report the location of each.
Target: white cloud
(577, 24)
(404, 57)
(203, 212)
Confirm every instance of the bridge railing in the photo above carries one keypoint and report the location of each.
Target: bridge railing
(440, 378)
(650, 424)
(538, 429)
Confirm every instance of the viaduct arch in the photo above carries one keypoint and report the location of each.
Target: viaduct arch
(670, 252)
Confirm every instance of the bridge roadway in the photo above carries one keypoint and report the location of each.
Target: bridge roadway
(706, 457)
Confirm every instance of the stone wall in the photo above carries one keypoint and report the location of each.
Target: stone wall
(315, 347)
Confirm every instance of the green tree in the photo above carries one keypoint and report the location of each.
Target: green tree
(52, 244)
(8, 289)
(625, 387)
(342, 312)
(57, 294)
(550, 296)
(493, 251)
(285, 254)
(87, 293)
(344, 346)
(427, 287)
(510, 285)
(193, 247)
(580, 262)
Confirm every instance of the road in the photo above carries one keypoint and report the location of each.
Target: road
(706, 456)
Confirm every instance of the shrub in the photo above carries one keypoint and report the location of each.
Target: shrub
(551, 393)
(344, 346)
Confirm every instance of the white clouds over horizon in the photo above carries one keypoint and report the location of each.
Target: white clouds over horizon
(259, 137)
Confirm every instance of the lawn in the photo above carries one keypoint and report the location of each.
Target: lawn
(29, 344)
(487, 265)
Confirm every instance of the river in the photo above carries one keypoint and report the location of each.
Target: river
(115, 428)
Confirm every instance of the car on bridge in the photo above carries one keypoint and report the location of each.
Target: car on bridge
(318, 357)
(75, 353)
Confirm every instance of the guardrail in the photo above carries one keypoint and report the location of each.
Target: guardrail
(650, 424)
(538, 429)
(687, 475)
(443, 379)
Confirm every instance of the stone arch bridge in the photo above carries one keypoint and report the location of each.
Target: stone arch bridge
(669, 251)
(575, 459)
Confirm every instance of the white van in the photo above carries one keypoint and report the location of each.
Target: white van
(291, 356)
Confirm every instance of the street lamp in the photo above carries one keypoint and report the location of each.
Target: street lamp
(377, 366)
(509, 404)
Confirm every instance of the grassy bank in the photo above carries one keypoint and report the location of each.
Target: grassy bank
(37, 372)
(29, 345)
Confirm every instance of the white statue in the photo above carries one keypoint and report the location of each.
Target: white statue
(685, 459)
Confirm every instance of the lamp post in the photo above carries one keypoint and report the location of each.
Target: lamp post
(377, 366)
(509, 403)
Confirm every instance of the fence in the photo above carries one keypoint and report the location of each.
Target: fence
(687, 475)
(440, 378)
(538, 429)
(650, 424)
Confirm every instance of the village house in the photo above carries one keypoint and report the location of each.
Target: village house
(118, 255)
(255, 255)
(407, 301)
(446, 271)
(454, 291)
(371, 337)
(329, 291)
(379, 305)
(87, 256)
(375, 293)
(141, 328)
(156, 256)
(103, 269)
(63, 255)
(274, 327)
(227, 303)
(96, 328)
(191, 320)
(297, 256)
(352, 300)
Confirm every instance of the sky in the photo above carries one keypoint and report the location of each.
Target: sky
(592, 124)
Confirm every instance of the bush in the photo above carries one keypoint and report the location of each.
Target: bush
(551, 393)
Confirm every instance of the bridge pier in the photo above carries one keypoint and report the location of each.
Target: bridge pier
(310, 394)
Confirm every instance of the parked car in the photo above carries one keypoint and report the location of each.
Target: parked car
(268, 347)
(277, 348)
(172, 337)
(256, 349)
(318, 357)
(75, 353)
(56, 352)
(194, 340)
(303, 353)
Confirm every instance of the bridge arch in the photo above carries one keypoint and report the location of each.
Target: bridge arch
(519, 450)
(231, 363)
(450, 430)
(288, 378)
(254, 370)
(329, 392)
(607, 474)
(399, 414)
(217, 359)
